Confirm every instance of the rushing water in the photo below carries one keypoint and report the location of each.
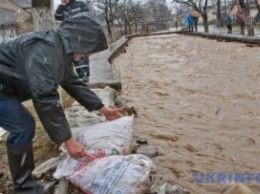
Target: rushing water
(198, 103)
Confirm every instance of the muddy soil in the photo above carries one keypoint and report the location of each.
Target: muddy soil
(198, 102)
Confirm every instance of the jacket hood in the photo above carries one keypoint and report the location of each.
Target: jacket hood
(83, 33)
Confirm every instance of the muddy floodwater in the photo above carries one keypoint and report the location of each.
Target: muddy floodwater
(198, 102)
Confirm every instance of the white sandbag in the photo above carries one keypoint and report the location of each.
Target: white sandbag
(111, 175)
(78, 116)
(107, 138)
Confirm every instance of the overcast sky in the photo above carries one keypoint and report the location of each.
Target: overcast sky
(57, 2)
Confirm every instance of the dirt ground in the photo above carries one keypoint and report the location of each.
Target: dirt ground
(198, 102)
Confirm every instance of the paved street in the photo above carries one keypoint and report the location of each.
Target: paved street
(223, 30)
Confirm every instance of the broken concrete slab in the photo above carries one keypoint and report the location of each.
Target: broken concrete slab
(62, 187)
(2, 132)
(101, 73)
(47, 165)
(167, 188)
(148, 150)
(107, 95)
(49, 187)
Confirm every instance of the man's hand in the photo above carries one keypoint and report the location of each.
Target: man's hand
(65, 2)
(75, 149)
(112, 113)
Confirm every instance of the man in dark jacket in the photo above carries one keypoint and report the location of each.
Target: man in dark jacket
(32, 66)
(69, 8)
(66, 9)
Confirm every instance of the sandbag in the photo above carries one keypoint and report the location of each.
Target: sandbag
(99, 140)
(112, 137)
(132, 174)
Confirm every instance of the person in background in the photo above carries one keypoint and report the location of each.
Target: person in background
(33, 66)
(66, 9)
(195, 22)
(241, 16)
(189, 22)
(229, 22)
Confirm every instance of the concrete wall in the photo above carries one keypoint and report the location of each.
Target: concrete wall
(23, 17)
(43, 14)
(42, 18)
(37, 18)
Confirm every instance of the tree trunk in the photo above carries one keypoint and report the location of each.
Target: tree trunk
(219, 18)
(108, 21)
(125, 27)
(108, 27)
(205, 21)
(205, 17)
(258, 6)
(130, 30)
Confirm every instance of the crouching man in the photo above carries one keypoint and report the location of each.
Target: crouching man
(32, 66)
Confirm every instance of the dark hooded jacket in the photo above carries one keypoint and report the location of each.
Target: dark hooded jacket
(33, 65)
(70, 9)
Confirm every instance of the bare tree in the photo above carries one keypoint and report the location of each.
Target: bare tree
(129, 12)
(200, 7)
(219, 18)
(108, 8)
(158, 10)
(258, 6)
(257, 18)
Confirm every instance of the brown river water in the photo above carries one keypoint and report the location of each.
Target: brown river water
(198, 102)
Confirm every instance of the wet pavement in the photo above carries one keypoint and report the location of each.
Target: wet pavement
(223, 30)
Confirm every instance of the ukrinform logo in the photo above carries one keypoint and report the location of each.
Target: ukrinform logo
(211, 178)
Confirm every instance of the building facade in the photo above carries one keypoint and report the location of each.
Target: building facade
(30, 15)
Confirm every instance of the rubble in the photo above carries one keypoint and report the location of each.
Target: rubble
(148, 150)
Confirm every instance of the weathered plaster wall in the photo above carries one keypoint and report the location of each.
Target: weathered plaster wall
(23, 17)
(42, 18)
(7, 32)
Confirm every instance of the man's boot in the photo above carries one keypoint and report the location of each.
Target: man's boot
(21, 164)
